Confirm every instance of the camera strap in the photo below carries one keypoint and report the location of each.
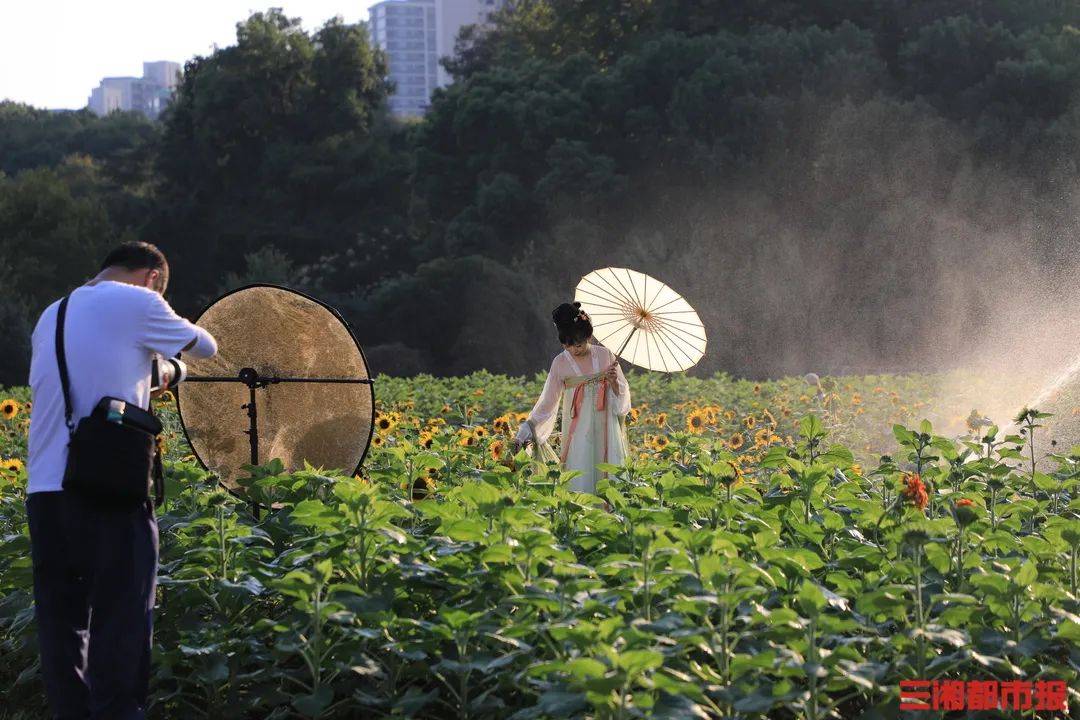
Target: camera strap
(61, 361)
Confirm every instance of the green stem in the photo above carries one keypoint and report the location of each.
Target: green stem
(812, 709)
(993, 509)
(1072, 568)
(959, 558)
(920, 619)
(648, 599)
(224, 557)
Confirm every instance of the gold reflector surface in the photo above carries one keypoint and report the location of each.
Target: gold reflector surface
(279, 333)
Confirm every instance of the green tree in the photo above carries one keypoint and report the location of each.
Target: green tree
(52, 238)
(279, 140)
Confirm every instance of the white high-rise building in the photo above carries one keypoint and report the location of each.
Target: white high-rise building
(415, 34)
(405, 30)
(114, 93)
(149, 94)
(451, 16)
(163, 72)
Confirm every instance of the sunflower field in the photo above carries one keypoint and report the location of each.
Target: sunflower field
(784, 549)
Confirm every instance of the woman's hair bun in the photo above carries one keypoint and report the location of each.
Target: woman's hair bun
(566, 313)
(572, 323)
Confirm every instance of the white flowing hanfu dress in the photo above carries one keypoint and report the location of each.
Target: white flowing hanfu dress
(593, 416)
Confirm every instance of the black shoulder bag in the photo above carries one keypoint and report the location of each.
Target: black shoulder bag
(112, 455)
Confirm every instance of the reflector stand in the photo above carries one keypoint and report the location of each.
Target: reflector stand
(250, 377)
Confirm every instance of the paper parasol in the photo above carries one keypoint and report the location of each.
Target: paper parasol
(651, 324)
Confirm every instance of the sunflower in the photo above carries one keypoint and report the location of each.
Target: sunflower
(496, 450)
(446, 409)
(385, 423)
(14, 465)
(423, 487)
(633, 415)
(661, 419)
(768, 417)
(9, 409)
(757, 389)
(377, 441)
(736, 441)
(660, 442)
(856, 399)
(749, 421)
(480, 431)
(426, 440)
(695, 421)
(466, 439)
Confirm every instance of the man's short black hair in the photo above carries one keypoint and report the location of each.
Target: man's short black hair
(137, 256)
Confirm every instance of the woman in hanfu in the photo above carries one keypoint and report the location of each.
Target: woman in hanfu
(595, 401)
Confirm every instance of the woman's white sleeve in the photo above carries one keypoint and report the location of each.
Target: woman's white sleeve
(622, 400)
(545, 410)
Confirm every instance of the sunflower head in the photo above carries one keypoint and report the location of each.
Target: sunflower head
(695, 421)
(426, 440)
(14, 465)
(749, 421)
(377, 441)
(9, 409)
(736, 441)
(661, 419)
(423, 487)
(497, 449)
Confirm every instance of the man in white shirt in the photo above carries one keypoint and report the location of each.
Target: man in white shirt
(95, 570)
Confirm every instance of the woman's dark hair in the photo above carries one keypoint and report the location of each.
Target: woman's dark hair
(138, 256)
(572, 323)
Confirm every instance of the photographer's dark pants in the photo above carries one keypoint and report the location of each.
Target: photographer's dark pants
(95, 572)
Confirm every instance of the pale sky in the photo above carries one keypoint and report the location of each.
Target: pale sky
(53, 52)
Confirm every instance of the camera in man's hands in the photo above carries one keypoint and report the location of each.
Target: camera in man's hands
(167, 373)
